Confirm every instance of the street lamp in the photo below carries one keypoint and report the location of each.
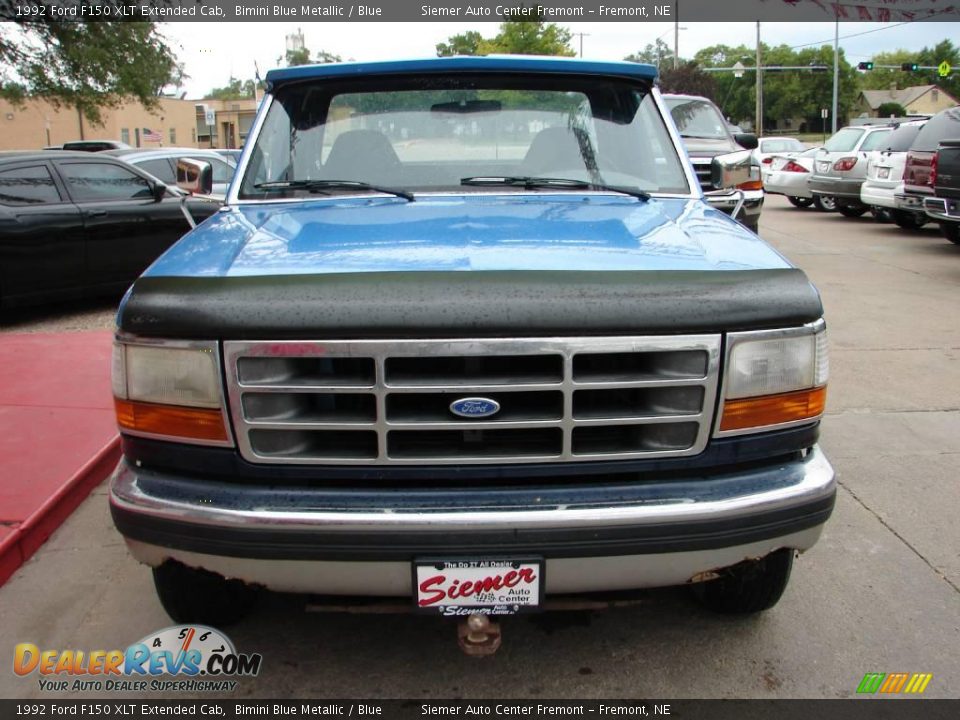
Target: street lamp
(676, 50)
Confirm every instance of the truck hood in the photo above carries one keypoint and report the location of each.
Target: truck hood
(477, 266)
(437, 233)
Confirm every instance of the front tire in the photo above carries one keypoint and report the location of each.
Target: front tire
(951, 231)
(190, 595)
(751, 586)
(909, 220)
(825, 203)
(799, 201)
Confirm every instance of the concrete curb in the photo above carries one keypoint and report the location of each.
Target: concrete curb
(26, 538)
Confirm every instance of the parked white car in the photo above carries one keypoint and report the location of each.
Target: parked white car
(769, 147)
(885, 176)
(787, 174)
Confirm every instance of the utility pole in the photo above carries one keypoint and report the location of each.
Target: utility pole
(676, 34)
(836, 69)
(758, 128)
(582, 35)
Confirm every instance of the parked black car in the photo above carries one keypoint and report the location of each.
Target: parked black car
(76, 224)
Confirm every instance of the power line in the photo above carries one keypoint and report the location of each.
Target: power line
(845, 37)
(950, 10)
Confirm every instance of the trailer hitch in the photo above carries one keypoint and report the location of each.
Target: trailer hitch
(478, 635)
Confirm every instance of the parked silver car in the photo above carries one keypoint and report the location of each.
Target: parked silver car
(787, 174)
(162, 164)
(840, 166)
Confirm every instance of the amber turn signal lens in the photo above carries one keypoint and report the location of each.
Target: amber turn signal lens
(751, 185)
(170, 420)
(773, 409)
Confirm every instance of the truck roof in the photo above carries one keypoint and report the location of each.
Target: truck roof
(490, 63)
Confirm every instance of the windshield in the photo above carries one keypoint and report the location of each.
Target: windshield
(429, 134)
(844, 140)
(697, 118)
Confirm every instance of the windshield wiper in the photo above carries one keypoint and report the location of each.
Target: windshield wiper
(531, 183)
(318, 186)
(703, 137)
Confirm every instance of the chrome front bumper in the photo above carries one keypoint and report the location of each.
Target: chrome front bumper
(637, 535)
(726, 200)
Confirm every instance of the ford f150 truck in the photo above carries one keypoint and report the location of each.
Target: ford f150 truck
(466, 333)
(944, 207)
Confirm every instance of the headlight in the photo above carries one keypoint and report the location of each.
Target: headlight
(170, 390)
(774, 378)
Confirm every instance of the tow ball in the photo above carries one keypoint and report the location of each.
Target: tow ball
(478, 635)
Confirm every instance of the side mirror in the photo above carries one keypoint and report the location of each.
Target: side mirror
(194, 176)
(730, 170)
(159, 191)
(748, 141)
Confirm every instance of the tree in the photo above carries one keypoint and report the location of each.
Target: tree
(735, 96)
(942, 51)
(688, 79)
(881, 78)
(516, 37)
(302, 57)
(236, 89)
(467, 43)
(658, 54)
(533, 37)
(787, 94)
(324, 57)
(885, 78)
(86, 65)
(891, 109)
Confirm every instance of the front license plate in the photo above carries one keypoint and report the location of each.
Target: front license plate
(461, 587)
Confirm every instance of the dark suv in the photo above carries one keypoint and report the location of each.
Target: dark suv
(919, 171)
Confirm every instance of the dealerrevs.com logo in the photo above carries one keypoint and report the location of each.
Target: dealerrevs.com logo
(188, 658)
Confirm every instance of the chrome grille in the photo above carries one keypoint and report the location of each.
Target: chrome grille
(372, 402)
(702, 167)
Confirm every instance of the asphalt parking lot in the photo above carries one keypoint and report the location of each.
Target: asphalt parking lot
(879, 593)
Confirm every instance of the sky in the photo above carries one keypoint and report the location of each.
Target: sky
(214, 52)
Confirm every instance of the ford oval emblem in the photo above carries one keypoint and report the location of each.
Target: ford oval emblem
(474, 407)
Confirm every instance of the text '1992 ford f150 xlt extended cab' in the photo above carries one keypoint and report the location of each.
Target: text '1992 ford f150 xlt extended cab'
(466, 333)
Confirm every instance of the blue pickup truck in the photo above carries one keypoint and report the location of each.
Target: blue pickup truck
(465, 333)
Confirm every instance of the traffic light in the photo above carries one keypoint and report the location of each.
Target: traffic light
(909, 67)
(865, 65)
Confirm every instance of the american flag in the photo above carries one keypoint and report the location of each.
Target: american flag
(152, 135)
